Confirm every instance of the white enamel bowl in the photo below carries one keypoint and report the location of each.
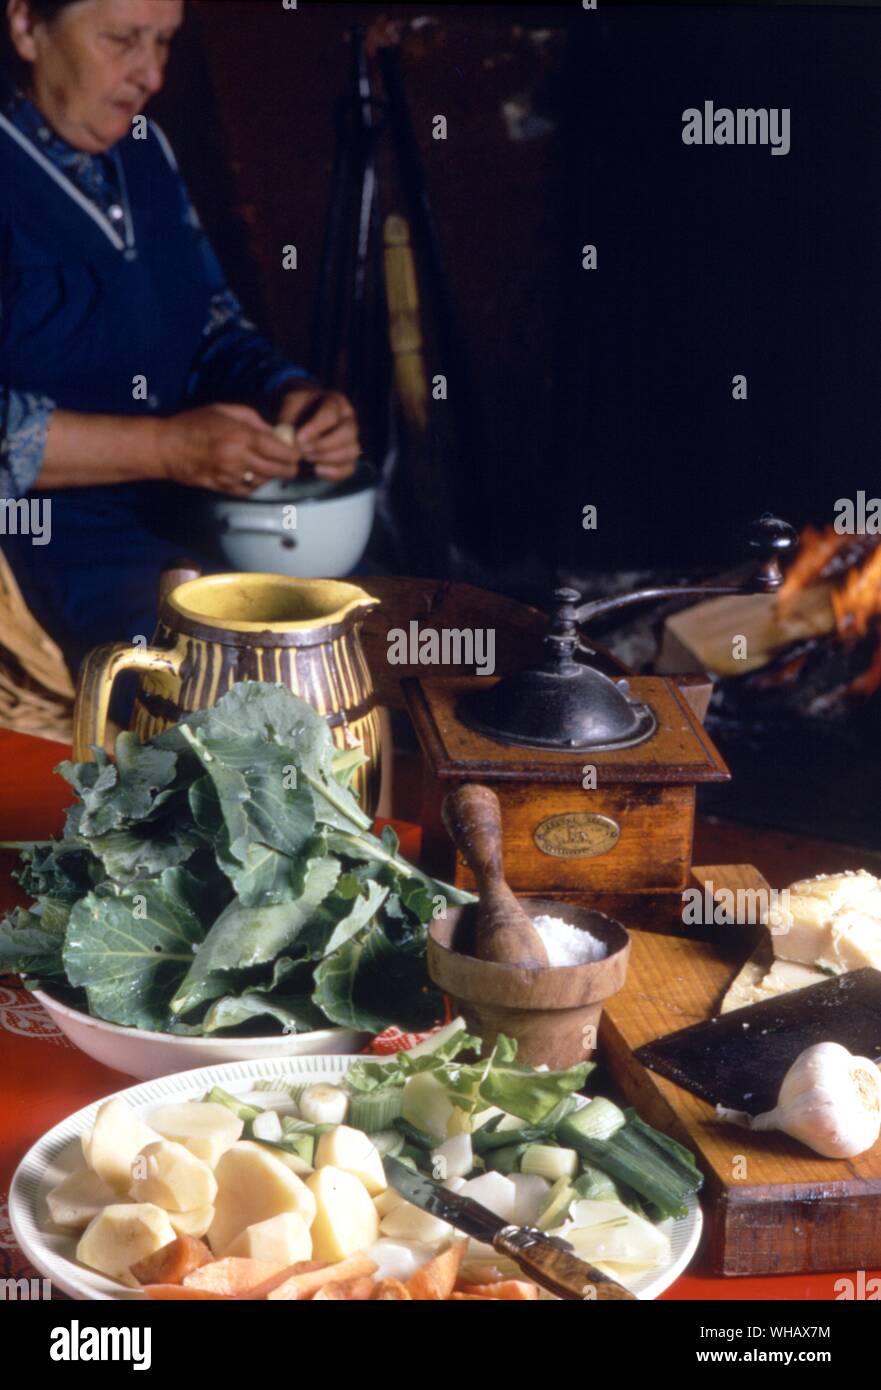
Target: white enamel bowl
(333, 525)
(136, 1052)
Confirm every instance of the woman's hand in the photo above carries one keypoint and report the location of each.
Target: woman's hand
(328, 436)
(226, 448)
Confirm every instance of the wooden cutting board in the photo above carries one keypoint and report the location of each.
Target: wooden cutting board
(770, 1205)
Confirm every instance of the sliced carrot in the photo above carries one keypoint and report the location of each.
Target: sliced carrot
(349, 1291)
(392, 1289)
(472, 1298)
(168, 1292)
(173, 1262)
(435, 1281)
(308, 1283)
(233, 1275)
(511, 1290)
(289, 1272)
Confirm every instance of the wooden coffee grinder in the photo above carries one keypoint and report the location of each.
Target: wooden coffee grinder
(596, 776)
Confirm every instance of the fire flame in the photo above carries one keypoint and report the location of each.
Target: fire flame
(856, 601)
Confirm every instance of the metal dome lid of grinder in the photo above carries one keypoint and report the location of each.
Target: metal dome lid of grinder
(567, 705)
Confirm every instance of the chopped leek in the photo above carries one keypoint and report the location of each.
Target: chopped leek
(659, 1170)
(294, 1089)
(388, 1142)
(487, 1139)
(415, 1138)
(549, 1161)
(324, 1104)
(267, 1127)
(595, 1186)
(598, 1120)
(505, 1160)
(291, 1125)
(426, 1104)
(504, 1130)
(218, 1096)
(303, 1145)
(376, 1110)
(555, 1208)
(607, 1231)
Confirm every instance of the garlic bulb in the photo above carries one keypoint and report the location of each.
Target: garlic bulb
(828, 1099)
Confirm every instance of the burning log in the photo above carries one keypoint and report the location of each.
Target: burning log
(826, 674)
(812, 651)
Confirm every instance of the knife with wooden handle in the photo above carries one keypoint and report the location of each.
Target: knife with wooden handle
(547, 1260)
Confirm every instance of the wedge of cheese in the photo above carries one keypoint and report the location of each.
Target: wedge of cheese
(853, 941)
(819, 927)
(802, 922)
(763, 978)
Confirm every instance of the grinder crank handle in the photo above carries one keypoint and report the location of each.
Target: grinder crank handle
(473, 818)
(767, 538)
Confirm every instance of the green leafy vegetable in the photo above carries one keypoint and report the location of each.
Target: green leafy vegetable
(32, 942)
(395, 1070)
(354, 984)
(246, 936)
(130, 949)
(223, 876)
(296, 1013)
(520, 1090)
(123, 793)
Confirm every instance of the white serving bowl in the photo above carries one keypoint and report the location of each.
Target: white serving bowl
(53, 1251)
(333, 525)
(145, 1055)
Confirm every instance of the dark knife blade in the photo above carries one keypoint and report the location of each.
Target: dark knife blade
(739, 1059)
(546, 1259)
(464, 1213)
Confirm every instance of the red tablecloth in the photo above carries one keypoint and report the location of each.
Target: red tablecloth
(43, 1077)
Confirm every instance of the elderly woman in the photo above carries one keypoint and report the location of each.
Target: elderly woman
(128, 375)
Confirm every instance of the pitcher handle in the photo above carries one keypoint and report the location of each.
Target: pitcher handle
(99, 670)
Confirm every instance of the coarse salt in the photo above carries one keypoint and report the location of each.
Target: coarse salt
(568, 945)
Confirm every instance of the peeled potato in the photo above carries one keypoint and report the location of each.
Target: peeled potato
(117, 1138)
(252, 1185)
(173, 1178)
(192, 1223)
(120, 1236)
(202, 1126)
(387, 1201)
(345, 1219)
(408, 1222)
(296, 1164)
(353, 1152)
(79, 1198)
(284, 1238)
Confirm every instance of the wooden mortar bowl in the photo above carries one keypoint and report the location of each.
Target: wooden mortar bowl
(554, 1013)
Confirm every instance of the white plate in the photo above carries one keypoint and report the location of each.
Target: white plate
(44, 1165)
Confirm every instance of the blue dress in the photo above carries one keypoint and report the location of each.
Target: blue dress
(108, 307)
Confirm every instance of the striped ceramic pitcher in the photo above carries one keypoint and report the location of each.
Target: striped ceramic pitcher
(223, 628)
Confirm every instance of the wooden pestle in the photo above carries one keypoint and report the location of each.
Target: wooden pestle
(503, 933)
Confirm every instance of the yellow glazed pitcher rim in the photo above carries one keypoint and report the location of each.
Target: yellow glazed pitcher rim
(212, 599)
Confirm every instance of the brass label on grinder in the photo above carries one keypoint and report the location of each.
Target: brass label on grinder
(576, 834)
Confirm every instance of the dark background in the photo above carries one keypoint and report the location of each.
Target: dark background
(613, 386)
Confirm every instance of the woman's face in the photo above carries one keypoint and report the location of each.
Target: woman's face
(95, 66)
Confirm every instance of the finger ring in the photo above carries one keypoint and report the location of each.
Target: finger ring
(247, 477)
